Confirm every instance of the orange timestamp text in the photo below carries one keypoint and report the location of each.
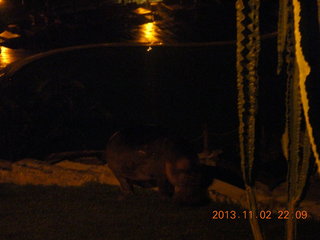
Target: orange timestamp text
(263, 214)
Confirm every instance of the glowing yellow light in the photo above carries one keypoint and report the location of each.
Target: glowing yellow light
(6, 56)
(140, 11)
(149, 33)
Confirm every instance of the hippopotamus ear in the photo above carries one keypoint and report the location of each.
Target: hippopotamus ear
(141, 153)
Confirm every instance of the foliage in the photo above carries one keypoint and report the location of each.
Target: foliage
(93, 212)
(248, 48)
(298, 138)
(297, 150)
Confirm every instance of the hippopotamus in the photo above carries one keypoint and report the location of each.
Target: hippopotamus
(150, 157)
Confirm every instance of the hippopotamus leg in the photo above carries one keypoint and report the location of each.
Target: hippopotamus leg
(166, 189)
(125, 186)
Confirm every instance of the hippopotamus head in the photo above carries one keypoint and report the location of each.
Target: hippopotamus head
(190, 183)
(147, 154)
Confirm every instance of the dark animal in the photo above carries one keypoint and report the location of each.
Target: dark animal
(149, 157)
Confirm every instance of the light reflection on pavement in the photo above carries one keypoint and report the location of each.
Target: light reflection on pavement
(8, 55)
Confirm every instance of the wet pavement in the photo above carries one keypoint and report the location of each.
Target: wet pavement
(159, 73)
(8, 55)
(165, 25)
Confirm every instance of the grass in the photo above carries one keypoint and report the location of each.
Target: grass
(92, 212)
